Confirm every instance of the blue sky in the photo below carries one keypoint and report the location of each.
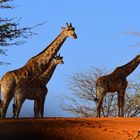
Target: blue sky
(102, 41)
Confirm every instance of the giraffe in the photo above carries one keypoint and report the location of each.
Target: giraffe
(34, 67)
(115, 82)
(35, 90)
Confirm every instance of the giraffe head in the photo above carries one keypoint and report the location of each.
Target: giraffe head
(69, 31)
(138, 58)
(58, 59)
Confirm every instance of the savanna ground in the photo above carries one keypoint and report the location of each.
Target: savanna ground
(70, 128)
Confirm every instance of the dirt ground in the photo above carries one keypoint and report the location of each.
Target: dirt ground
(70, 129)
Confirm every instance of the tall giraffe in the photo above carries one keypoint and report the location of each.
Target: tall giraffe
(115, 82)
(35, 90)
(34, 67)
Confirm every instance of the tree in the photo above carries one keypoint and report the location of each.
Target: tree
(5, 5)
(81, 101)
(10, 31)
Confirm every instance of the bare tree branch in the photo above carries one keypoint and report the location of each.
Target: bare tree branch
(11, 33)
(81, 100)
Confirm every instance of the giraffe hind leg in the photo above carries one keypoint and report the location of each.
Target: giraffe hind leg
(0, 107)
(4, 107)
(7, 97)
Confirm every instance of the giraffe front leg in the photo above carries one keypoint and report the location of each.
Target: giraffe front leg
(99, 104)
(121, 103)
(19, 100)
(36, 108)
(14, 110)
(18, 108)
(42, 101)
(100, 93)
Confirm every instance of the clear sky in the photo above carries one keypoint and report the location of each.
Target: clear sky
(100, 26)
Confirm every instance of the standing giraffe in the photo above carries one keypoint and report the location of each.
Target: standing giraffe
(35, 90)
(115, 82)
(34, 67)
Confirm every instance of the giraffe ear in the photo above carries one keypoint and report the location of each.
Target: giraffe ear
(71, 24)
(62, 28)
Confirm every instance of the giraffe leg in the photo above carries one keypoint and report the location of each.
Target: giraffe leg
(7, 96)
(18, 108)
(99, 104)
(14, 110)
(100, 93)
(42, 101)
(36, 108)
(0, 107)
(7, 93)
(121, 103)
(19, 100)
(4, 106)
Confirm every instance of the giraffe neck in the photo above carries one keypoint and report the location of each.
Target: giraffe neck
(44, 78)
(38, 64)
(128, 68)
